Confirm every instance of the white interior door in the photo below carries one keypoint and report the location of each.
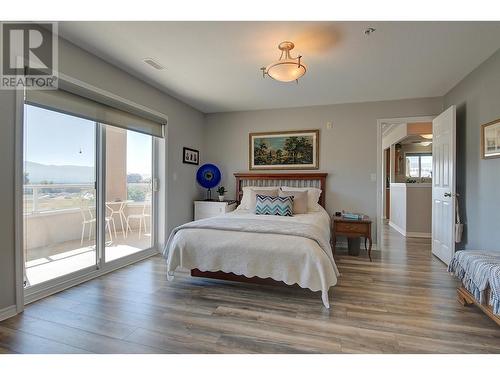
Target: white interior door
(443, 184)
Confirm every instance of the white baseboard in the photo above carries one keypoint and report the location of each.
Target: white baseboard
(397, 228)
(8, 312)
(409, 234)
(418, 234)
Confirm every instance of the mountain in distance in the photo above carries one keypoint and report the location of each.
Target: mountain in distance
(58, 174)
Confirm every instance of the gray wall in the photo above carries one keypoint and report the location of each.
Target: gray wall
(477, 98)
(185, 129)
(347, 152)
(7, 264)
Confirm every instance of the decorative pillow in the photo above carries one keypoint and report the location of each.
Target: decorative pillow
(313, 195)
(247, 192)
(281, 206)
(299, 200)
(254, 193)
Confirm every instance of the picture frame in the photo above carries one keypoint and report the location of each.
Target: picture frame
(490, 140)
(190, 156)
(294, 149)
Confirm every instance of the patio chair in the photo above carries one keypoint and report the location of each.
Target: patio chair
(88, 218)
(145, 214)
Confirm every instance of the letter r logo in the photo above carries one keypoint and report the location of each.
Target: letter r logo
(27, 45)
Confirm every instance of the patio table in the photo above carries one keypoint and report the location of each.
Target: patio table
(118, 207)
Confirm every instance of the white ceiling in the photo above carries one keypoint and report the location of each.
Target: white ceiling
(214, 66)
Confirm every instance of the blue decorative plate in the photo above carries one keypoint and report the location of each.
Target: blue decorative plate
(208, 176)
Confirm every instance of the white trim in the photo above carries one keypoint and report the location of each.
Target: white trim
(389, 129)
(18, 200)
(397, 228)
(78, 278)
(380, 166)
(418, 234)
(161, 165)
(8, 312)
(409, 234)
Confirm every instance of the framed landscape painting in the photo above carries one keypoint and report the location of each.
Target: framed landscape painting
(490, 140)
(298, 149)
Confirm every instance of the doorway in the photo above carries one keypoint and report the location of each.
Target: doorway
(391, 161)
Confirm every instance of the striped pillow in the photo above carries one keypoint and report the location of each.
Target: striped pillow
(267, 205)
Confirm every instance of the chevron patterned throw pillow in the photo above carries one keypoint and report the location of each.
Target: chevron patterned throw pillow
(267, 205)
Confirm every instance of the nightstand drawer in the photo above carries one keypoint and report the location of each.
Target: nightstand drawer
(343, 227)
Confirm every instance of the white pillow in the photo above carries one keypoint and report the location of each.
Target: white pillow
(313, 195)
(246, 199)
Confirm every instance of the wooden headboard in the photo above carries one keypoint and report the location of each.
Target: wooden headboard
(300, 180)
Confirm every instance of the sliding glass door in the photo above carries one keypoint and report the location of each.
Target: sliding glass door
(59, 194)
(88, 197)
(128, 190)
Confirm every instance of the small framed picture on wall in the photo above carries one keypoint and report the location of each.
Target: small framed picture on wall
(190, 156)
(490, 140)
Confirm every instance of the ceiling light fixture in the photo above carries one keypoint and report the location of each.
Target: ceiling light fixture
(426, 136)
(287, 68)
(426, 143)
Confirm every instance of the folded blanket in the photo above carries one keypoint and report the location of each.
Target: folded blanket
(291, 228)
(495, 290)
(478, 271)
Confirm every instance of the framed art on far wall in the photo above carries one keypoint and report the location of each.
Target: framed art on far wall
(190, 156)
(490, 140)
(298, 149)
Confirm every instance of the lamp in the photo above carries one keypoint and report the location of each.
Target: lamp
(287, 68)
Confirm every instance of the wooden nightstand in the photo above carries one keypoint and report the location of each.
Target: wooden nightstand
(352, 229)
(206, 209)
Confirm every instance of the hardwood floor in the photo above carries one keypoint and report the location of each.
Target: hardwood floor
(403, 302)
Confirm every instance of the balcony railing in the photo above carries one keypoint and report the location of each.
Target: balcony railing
(42, 198)
(55, 197)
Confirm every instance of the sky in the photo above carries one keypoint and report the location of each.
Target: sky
(54, 138)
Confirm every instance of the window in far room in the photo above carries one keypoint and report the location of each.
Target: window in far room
(419, 165)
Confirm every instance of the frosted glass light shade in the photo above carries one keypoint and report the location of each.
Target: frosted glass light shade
(286, 70)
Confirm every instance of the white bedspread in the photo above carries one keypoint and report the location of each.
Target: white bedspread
(289, 249)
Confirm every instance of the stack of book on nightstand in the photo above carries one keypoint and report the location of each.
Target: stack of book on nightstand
(352, 216)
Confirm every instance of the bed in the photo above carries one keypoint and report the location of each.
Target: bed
(243, 246)
(479, 273)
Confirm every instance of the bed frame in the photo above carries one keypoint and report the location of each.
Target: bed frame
(299, 180)
(466, 298)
